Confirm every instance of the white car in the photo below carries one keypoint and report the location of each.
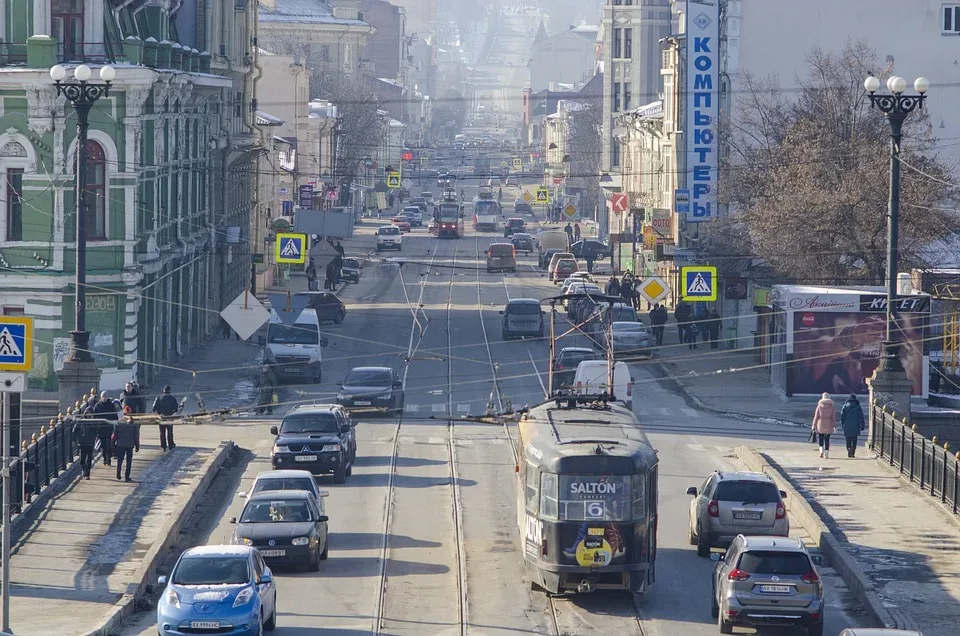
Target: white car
(413, 214)
(576, 277)
(286, 480)
(389, 238)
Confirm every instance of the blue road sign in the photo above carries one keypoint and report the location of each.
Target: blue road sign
(681, 201)
(291, 248)
(699, 283)
(16, 343)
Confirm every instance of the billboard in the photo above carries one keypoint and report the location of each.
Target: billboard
(702, 107)
(836, 351)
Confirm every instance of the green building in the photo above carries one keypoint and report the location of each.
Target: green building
(171, 176)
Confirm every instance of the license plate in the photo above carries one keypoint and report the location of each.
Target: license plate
(272, 553)
(362, 402)
(291, 369)
(748, 516)
(775, 589)
(305, 458)
(204, 624)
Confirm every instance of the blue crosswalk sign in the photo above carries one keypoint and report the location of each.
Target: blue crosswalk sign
(16, 343)
(699, 283)
(291, 248)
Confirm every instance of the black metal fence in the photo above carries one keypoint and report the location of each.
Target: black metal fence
(934, 467)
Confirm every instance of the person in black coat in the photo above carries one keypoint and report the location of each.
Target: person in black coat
(106, 410)
(714, 324)
(85, 434)
(127, 441)
(166, 406)
(130, 396)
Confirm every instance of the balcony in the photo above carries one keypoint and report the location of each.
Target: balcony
(13, 54)
(89, 52)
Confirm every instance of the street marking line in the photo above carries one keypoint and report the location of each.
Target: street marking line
(689, 411)
(439, 408)
(696, 447)
(411, 408)
(463, 408)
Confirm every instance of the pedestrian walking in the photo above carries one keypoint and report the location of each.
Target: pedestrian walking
(824, 424)
(342, 253)
(714, 324)
(328, 279)
(106, 411)
(165, 406)
(266, 390)
(85, 434)
(852, 422)
(576, 232)
(613, 287)
(626, 289)
(658, 318)
(681, 314)
(126, 437)
(569, 230)
(588, 256)
(130, 396)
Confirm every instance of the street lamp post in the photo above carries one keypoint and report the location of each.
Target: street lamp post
(82, 94)
(896, 106)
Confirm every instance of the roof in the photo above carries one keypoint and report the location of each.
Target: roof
(218, 550)
(541, 33)
(282, 494)
(282, 473)
(266, 119)
(781, 544)
(743, 476)
(371, 368)
(523, 301)
(303, 12)
(576, 349)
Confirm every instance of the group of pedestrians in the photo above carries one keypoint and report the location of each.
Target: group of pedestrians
(573, 232)
(693, 323)
(333, 273)
(103, 421)
(852, 423)
(625, 287)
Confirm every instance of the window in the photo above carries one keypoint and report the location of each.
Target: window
(951, 18)
(66, 26)
(548, 496)
(617, 43)
(14, 204)
(628, 43)
(627, 96)
(595, 498)
(96, 194)
(639, 511)
(616, 97)
(531, 484)
(615, 159)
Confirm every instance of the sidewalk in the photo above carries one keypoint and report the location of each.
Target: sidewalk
(74, 558)
(908, 548)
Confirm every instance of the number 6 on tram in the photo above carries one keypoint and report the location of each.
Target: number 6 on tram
(587, 499)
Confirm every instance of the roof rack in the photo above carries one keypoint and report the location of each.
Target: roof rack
(599, 401)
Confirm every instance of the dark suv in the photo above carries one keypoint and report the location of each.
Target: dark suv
(565, 365)
(327, 305)
(764, 581)
(316, 437)
(513, 226)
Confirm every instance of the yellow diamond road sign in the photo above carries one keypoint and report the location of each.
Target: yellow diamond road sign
(654, 289)
(570, 211)
(393, 180)
(527, 197)
(543, 196)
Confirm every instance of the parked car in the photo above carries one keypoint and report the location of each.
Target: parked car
(581, 308)
(401, 222)
(731, 503)
(316, 437)
(767, 581)
(213, 586)
(513, 226)
(523, 242)
(599, 249)
(629, 340)
(522, 317)
(372, 388)
(328, 306)
(552, 263)
(512, 181)
(285, 480)
(565, 365)
(351, 269)
(288, 527)
(546, 257)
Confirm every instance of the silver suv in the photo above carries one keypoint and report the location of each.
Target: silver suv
(735, 503)
(767, 581)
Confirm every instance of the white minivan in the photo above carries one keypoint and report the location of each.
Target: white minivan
(294, 351)
(592, 379)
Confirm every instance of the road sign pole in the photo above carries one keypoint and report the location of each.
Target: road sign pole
(5, 566)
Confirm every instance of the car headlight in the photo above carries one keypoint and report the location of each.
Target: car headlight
(331, 448)
(243, 541)
(244, 597)
(386, 394)
(280, 449)
(301, 541)
(171, 598)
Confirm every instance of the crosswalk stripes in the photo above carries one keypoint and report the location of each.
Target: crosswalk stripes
(438, 408)
(411, 408)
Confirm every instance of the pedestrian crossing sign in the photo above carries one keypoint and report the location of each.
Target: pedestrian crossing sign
(16, 343)
(393, 180)
(518, 164)
(543, 196)
(699, 283)
(291, 249)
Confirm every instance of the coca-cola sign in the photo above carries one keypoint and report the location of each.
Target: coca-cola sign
(821, 301)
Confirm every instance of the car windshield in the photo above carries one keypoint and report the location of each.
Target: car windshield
(594, 498)
(212, 570)
(411, 210)
(284, 483)
(485, 207)
(523, 309)
(388, 231)
(747, 491)
(368, 377)
(573, 358)
(775, 562)
(276, 511)
(629, 327)
(624, 313)
(304, 334)
(515, 222)
(310, 423)
(351, 262)
(522, 237)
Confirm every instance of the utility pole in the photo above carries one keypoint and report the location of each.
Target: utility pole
(5, 547)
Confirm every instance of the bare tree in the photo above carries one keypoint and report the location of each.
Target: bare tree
(808, 175)
(586, 147)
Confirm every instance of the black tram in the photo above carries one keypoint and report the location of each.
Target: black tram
(587, 498)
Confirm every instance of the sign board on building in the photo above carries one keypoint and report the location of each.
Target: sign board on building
(557, 179)
(543, 196)
(649, 238)
(283, 191)
(332, 223)
(393, 180)
(16, 343)
(618, 202)
(306, 196)
(699, 283)
(291, 248)
(256, 259)
(681, 201)
(912, 304)
(661, 223)
(703, 107)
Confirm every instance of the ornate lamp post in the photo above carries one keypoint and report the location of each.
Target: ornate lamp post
(896, 106)
(82, 94)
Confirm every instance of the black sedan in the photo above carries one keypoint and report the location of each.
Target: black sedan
(522, 242)
(327, 305)
(514, 225)
(522, 207)
(600, 250)
(286, 526)
(367, 388)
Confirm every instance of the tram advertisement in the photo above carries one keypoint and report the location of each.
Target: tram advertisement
(592, 544)
(597, 502)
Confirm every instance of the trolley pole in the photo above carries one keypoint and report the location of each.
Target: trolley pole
(5, 576)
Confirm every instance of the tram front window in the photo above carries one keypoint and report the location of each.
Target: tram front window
(595, 498)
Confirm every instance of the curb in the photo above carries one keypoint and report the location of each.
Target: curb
(694, 402)
(155, 556)
(803, 513)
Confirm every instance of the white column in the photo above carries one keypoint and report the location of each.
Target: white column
(92, 21)
(41, 17)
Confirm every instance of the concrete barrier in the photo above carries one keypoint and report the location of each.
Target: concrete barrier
(147, 572)
(802, 512)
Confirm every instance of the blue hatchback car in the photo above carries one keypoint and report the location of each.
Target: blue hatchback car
(218, 589)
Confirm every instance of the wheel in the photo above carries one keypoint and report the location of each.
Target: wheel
(815, 629)
(725, 626)
(703, 545)
(326, 551)
(340, 473)
(314, 564)
(339, 317)
(271, 623)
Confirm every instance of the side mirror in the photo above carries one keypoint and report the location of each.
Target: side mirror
(242, 495)
(716, 557)
(274, 430)
(323, 519)
(162, 580)
(486, 251)
(266, 577)
(783, 494)
(692, 491)
(398, 384)
(324, 493)
(261, 341)
(233, 519)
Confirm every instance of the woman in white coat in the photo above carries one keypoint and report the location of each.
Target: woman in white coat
(824, 423)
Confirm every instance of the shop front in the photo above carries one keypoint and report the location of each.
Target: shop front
(828, 339)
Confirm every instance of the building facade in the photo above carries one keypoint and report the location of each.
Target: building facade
(565, 58)
(169, 180)
(387, 49)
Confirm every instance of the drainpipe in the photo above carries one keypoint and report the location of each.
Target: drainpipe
(257, 240)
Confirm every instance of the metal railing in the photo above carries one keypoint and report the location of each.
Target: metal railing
(13, 54)
(922, 460)
(92, 52)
